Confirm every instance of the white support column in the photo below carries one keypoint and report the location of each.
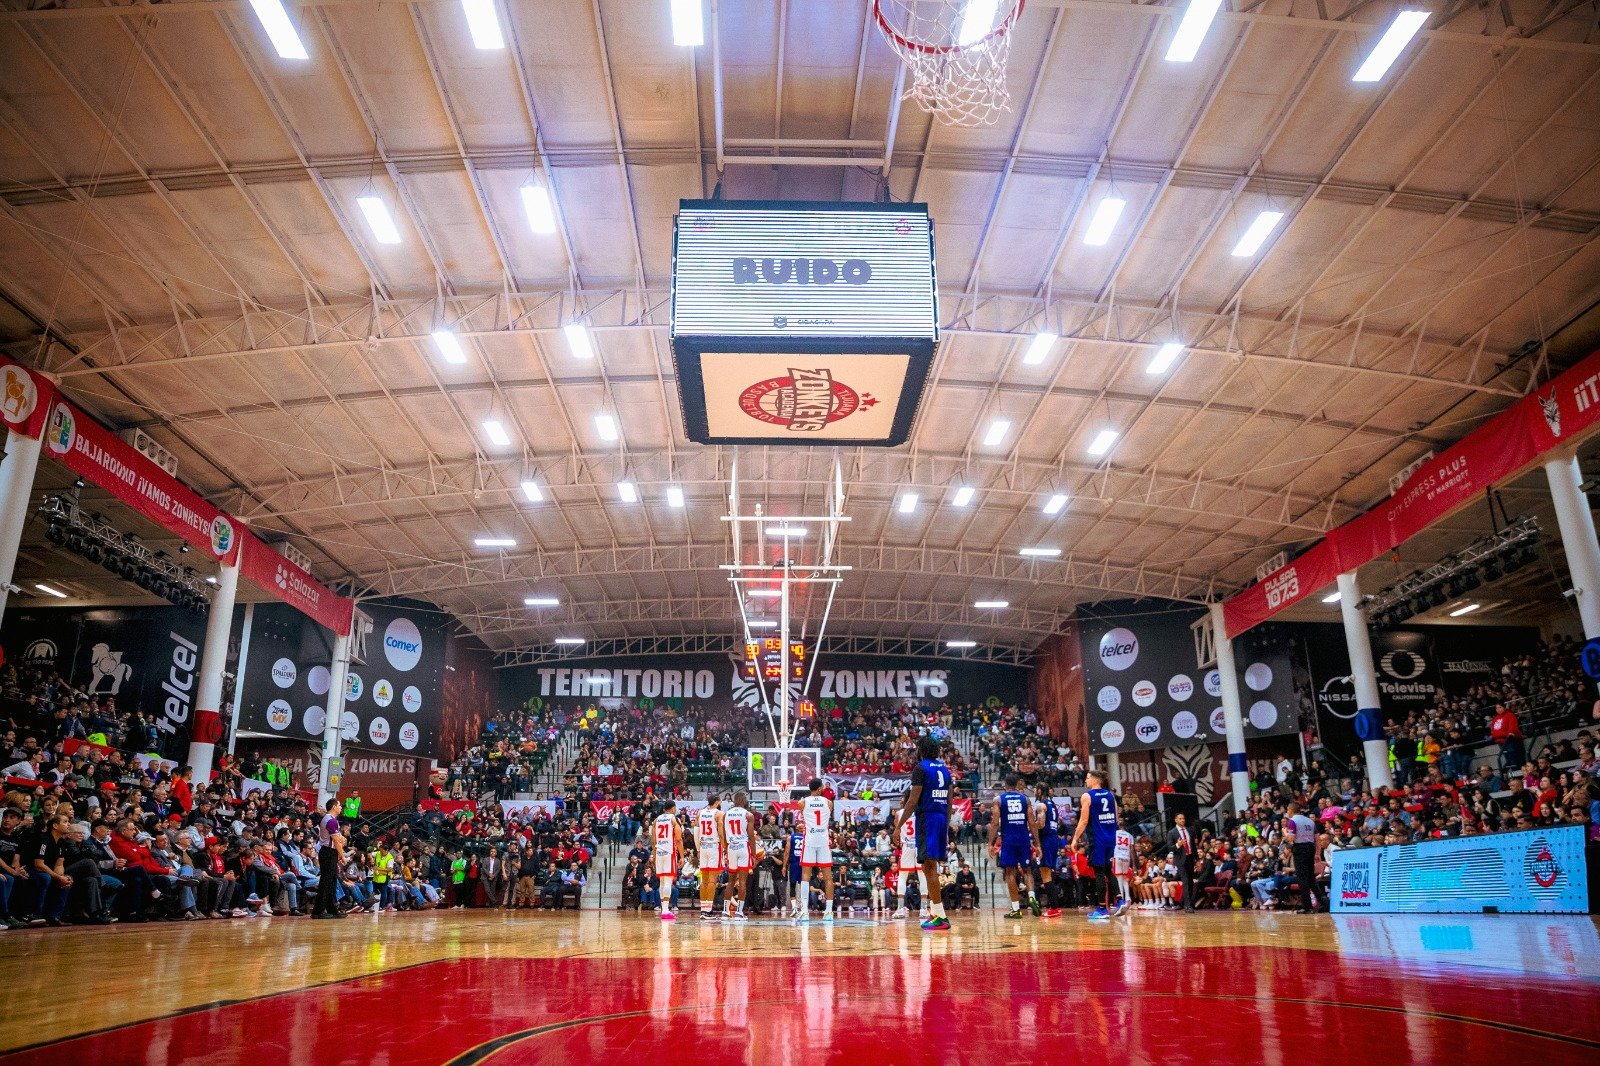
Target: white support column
(1232, 710)
(1364, 678)
(1113, 773)
(206, 729)
(16, 488)
(1577, 538)
(238, 682)
(332, 739)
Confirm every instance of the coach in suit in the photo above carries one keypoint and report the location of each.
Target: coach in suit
(1183, 859)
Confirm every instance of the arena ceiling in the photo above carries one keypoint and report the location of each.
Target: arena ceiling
(184, 251)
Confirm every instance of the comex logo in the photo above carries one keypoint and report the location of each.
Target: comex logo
(402, 644)
(1112, 734)
(1147, 729)
(1119, 649)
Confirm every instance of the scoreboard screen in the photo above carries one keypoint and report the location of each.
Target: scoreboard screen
(763, 660)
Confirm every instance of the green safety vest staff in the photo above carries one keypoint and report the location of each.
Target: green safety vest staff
(458, 870)
(382, 867)
(352, 807)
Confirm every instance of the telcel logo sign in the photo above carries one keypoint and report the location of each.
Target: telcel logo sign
(1119, 649)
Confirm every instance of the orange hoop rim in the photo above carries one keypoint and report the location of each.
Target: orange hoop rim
(944, 49)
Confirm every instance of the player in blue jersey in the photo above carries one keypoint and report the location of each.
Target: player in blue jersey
(1014, 838)
(1098, 818)
(929, 800)
(1049, 850)
(792, 849)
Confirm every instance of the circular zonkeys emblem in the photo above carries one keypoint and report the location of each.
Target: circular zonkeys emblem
(804, 402)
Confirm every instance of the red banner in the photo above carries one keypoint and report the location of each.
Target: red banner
(604, 809)
(962, 809)
(1551, 415)
(100, 456)
(24, 398)
(266, 568)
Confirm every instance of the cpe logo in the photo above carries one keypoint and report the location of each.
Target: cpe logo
(382, 693)
(411, 699)
(1263, 715)
(1109, 698)
(1185, 725)
(353, 686)
(279, 714)
(1213, 683)
(1112, 734)
(1180, 687)
(1118, 649)
(1147, 729)
(1258, 676)
(378, 730)
(316, 720)
(284, 673)
(402, 644)
(409, 735)
(1219, 721)
(1144, 693)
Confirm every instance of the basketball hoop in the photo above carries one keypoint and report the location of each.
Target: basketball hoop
(957, 65)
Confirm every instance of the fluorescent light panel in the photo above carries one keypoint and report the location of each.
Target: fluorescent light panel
(996, 432)
(628, 492)
(1104, 220)
(537, 206)
(1332, 597)
(1257, 234)
(1459, 611)
(1192, 29)
(1055, 503)
(280, 30)
(569, 640)
(606, 426)
(908, 502)
(484, 24)
(991, 605)
(1394, 40)
(1165, 356)
(495, 542)
(977, 20)
(759, 623)
(765, 594)
(541, 601)
(1040, 553)
(963, 496)
(688, 23)
(1103, 441)
(674, 496)
(495, 430)
(578, 340)
(449, 346)
(961, 644)
(531, 490)
(1039, 348)
(786, 531)
(49, 591)
(379, 220)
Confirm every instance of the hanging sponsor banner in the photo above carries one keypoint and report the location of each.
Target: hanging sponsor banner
(853, 811)
(1538, 871)
(275, 574)
(1144, 691)
(1554, 414)
(100, 456)
(716, 682)
(961, 810)
(854, 786)
(525, 809)
(25, 398)
(381, 779)
(1413, 664)
(392, 702)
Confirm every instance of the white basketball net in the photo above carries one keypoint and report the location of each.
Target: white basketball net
(955, 53)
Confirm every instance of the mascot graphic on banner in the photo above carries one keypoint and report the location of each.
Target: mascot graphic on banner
(108, 671)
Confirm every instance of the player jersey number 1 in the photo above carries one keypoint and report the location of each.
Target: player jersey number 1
(816, 812)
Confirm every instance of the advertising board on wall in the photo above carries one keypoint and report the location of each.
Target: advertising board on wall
(1534, 871)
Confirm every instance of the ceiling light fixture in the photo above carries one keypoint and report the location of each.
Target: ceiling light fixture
(569, 640)
(628, 492)
(606, 426)
(976, 21)
(1104, 220)
(908, 503)
(674, 496)
(963, 496)
(996, 432)
(1039, 348)
(961, 644)
(495, 542)
(765, 594)
(541, 601)
(1332, 597)
(1165, 356)
(1257, 234)
(379, 220)
(991, 605)
(688, 23)
(495, 430)
(537, 206)
(786, 531)
(484, 24)
(1054, 504)
(760, 623)
(1394, 40)
(1039, 553)
(578, 340)
(1103, 441)
(280, 30)
(1197, 18)
(449, 346)
(531, 490)
(48, 591)
(1457, 613)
